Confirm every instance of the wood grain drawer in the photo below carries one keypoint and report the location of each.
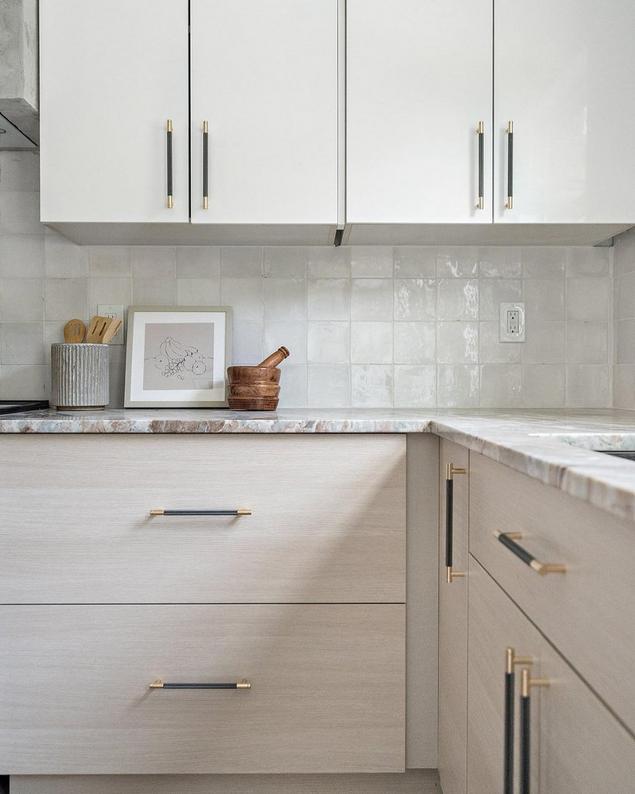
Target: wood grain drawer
(328, 689)
(328, 518)
(587, 612)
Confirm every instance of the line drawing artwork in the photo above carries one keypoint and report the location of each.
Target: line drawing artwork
(179, 356)
(175, 359)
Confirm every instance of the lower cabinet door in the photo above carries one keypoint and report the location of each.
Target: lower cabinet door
(327, 689)
(453, 518)
(560, 738)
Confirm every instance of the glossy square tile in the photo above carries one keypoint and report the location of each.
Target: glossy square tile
(415, 343)
(329, 299)
(415, 386)
(415, 299)
(329, 343)
(457, 343)
(371, 343)
(458, 299)
(372, 299)
(457, 385)
(371, 386)
(329, 385)
(371, 261)
(501, 385)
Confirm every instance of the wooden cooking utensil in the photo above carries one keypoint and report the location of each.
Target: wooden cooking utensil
(111, 329)
(97, 328)
(74, 332)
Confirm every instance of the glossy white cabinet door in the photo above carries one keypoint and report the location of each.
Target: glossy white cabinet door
(419, 79)
(112, 73)
(264, 77)
(565, 75)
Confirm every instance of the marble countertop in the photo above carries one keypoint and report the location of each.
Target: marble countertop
(554, 447)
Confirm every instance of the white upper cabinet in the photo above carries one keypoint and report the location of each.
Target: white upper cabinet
(419, 80)
(112, 74)
(565, 76)
(264, 76)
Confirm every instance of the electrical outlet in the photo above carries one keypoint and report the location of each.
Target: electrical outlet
(512, 322)
(113, 310)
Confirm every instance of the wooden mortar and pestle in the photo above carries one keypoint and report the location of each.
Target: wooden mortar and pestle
(256, 388)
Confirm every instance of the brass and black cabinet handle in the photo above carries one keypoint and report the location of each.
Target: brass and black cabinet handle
(508, 539)
(450, 471)
(159, 684)
(480, 131)
(205, 165)
(168, 133)
(508, 752)
(509, 204)
(239, 511)
(526, 683)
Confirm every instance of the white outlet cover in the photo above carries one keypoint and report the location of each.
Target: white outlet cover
(505, 334)
(113, 310)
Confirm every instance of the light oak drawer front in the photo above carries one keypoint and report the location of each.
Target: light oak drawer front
(587, 611)
(327, 689)
(576, 745)
(327, 523)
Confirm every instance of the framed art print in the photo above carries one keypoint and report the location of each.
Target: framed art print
(177, 357)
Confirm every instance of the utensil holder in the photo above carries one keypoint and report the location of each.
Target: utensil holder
(79, 376)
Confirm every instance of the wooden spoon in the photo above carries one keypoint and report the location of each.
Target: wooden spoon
(96, 329)
(74, 332)
(111, 329)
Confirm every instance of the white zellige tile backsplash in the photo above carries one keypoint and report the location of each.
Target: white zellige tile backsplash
(367, 326)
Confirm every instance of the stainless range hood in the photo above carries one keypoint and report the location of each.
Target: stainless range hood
(19, 121)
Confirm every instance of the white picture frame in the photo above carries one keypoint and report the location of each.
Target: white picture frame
(177, 356)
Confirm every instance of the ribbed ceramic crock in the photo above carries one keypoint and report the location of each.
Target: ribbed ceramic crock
(79, 376)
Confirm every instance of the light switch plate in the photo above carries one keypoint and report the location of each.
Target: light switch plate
(113, 310)
(512, 322)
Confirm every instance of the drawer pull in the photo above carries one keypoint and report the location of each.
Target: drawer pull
(526, 682)
(240, 511)
(508, 539)
(450, 471)
(508, 754)
(159, 684)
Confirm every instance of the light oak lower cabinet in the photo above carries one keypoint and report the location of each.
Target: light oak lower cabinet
(453, 620)
(327, 689)
(305, 598)
(584, 610)
(328, 518)
(577, 745)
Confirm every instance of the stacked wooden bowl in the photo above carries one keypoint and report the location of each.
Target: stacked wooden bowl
(256, 388)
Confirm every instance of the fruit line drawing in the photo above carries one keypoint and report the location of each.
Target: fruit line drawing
(175, 359)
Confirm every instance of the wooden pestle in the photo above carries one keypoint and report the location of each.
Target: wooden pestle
(275, 358)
